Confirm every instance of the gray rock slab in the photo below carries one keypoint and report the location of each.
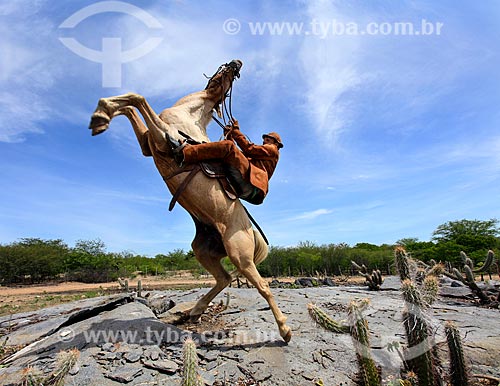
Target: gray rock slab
(455, 292)
(177, 313)
(133, 355)
(125, 374)
(163, 365)
(160, 303)
(391, 283)
(131, 323)
(29, 327)
(154, 353)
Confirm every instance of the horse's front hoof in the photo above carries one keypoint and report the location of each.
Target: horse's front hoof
(98, 124)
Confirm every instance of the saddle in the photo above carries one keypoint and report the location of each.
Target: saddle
(217, 170)
(230, 180)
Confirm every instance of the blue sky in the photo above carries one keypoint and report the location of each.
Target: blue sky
(386, 136)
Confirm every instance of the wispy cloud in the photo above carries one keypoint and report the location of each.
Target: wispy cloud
(311, 215)
(28, 69)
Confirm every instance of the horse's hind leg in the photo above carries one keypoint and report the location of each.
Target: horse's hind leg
(208, 249)
(241, 255)
(213, 265)
(251, 273)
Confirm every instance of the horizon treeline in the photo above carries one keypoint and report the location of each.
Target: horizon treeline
(33, 260)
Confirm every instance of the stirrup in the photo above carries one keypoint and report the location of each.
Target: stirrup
(177, 147)
(173, 143)
(179, 154)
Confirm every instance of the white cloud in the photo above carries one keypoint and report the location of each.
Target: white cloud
(330, 70)
(311, 215)
(346, 76)
(27, 70)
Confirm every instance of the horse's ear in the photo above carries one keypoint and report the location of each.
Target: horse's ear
(219, 112)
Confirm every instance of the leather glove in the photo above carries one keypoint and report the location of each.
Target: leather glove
(235, 124)
(227, 130)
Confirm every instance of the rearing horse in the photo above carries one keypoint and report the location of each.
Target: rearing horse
(222, 225)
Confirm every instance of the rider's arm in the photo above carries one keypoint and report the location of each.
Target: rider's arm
(250, 149)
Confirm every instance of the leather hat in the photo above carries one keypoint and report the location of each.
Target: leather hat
(274, 136)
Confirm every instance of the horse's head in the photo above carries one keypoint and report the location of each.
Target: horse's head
(221, 82)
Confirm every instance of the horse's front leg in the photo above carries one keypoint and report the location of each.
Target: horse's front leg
(108, 108)
(140, 130)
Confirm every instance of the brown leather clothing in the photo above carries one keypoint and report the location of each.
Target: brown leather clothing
(256, 163)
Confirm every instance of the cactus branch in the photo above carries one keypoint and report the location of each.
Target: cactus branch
(324, 320)
(420, 358)
(190, 375)
(402, 263)
(361, 338)
(374, 280)
(459, 373)
(490, 259)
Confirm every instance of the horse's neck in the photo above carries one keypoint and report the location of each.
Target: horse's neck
(196, 112)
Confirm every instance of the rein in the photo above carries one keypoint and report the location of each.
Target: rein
(193, 170)
(227, 113)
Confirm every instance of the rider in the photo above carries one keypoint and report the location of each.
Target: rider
(249, 169)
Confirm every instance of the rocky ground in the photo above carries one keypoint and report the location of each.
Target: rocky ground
(126, 340)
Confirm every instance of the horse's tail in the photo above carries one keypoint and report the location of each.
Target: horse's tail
(259, 254)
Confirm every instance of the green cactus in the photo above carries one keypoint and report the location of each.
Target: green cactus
(490, 259)
(402, 263)
(469, 276)
(457, 275)
(324, 320)
(32, 377)
(64, 363)
(420, 358)
(409, 379)
(139, 288)
(361, 338)
(466, 260)
(374, 280)
(190, 376)
(435, 270)
(463, 257)
(470, 281)
(430, 289)
(360, 268)
(459, 372)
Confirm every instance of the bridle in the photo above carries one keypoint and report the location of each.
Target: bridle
(227, 112)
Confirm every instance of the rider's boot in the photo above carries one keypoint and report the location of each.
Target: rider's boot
(177, 147)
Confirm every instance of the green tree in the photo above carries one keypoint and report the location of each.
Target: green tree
(32, 260)
(474, 237)
(464, 232)
(421, 250)
(91, 247)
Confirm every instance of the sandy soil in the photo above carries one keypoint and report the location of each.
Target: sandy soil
(76, 287)
(33, 297)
